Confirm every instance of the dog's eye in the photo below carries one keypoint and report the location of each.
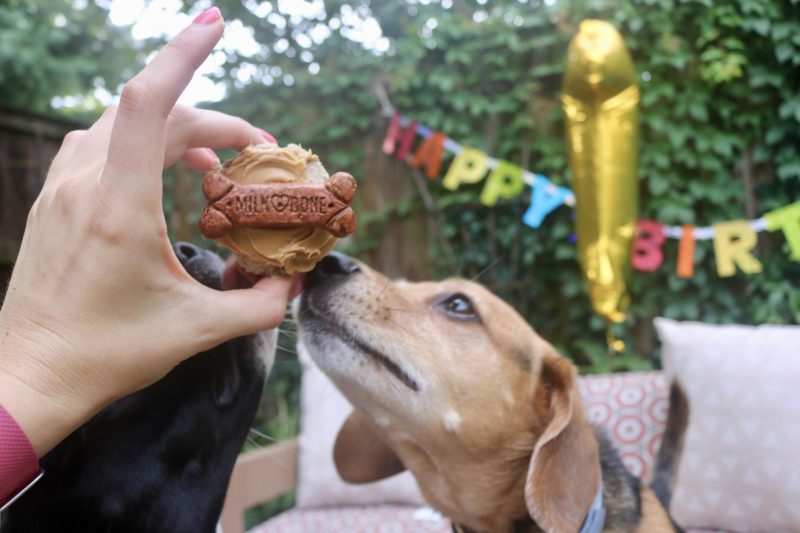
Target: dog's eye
(458, 306)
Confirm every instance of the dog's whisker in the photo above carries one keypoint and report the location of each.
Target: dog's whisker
(285, 362)
(262, 435)
(487, 268)
(460, 269)
(252, 441)
(286, 350)
(385, 285)
(282, 463)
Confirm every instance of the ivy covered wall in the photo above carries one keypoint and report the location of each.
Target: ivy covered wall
(720, 84)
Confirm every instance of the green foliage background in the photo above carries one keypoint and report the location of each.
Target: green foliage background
(720, 99)
(720, 112)
(52, 48)
(719, 141)
(720, 84)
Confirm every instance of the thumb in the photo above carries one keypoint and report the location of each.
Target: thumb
(246, 311)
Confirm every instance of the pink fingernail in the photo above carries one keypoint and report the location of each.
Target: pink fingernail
(213, 154)
(210, 15)
(268, 136)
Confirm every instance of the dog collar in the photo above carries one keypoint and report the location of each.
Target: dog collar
(596, 517)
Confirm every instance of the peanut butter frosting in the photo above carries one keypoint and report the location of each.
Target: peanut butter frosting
(267, 251)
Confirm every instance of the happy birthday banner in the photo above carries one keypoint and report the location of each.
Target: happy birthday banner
(733, 240)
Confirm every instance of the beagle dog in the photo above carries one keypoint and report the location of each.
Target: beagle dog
(160, 459)
(449, 382)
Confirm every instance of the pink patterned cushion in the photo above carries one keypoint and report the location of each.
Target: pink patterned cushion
(369, 519)
(633, 408)
(366, 519)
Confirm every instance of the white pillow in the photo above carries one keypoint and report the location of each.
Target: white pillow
(323, 410)
(740, 468)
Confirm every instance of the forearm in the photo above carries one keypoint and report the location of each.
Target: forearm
(44, 410)
(19, 464)
(33, 419)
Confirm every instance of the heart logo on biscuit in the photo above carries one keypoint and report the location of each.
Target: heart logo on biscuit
(280, 202)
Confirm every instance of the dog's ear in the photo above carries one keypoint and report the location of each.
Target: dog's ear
(564, 471)
(361, 455)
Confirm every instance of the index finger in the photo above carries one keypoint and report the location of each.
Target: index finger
(138, 137)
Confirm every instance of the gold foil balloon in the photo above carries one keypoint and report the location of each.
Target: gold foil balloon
(600, 100)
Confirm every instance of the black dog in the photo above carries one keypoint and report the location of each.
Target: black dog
(158, 460)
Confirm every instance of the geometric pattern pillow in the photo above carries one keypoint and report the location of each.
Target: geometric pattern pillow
(632, 406)
(364, 519)
(740, 468)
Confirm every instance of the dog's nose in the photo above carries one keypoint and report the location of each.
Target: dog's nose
(337, 264)
(186, 251)
(333, 268)
(202, 265)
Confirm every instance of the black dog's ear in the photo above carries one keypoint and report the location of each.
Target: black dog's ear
(361, 455)
(226, 380)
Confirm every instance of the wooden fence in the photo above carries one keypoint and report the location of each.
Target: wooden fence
(398, 244)
(28, 144)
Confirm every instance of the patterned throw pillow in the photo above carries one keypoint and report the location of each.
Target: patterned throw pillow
(633, 407)
(740, 468)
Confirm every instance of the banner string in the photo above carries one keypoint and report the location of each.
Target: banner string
(700, 233)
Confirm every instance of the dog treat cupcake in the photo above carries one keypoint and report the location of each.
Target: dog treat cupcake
(277, 209)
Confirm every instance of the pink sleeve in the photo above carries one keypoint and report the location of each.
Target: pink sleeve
(18, 462)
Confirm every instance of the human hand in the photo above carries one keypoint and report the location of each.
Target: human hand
(98, 305)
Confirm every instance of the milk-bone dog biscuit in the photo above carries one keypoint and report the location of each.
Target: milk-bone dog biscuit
(277, 209)
(278, 205)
